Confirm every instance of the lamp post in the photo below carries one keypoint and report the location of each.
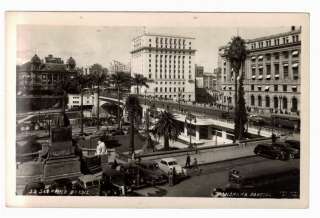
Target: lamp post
(190, 117)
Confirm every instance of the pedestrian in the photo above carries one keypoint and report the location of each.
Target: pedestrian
(196, 166)
(174, 176)
(188, 161)
(170, 176)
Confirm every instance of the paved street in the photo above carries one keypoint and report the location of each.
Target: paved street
(214, 175)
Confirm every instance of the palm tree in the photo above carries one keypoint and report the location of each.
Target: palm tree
(139, 80)
(134, 112)
(98, 78)
(167, 127)
(236, 54)
(119, 79)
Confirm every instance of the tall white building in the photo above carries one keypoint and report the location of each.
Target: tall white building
(168, 62)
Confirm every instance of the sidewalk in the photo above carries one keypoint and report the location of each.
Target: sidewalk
(218, 154)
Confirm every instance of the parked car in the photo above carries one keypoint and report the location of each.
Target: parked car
(293, 143)
(291, 152)
(270, 151)
(153, 175)
(134, 174)
(90, 184)
(166, 164)
(114, 183)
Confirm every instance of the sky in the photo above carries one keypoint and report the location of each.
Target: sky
(102, 44)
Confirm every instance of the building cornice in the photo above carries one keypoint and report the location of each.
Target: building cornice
(162, 49)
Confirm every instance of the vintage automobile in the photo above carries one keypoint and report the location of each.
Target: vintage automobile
(166, 164)
(134, 173)
(290, 152)
(270, 151)
(90, 184)
(152, 174)
(114, 183)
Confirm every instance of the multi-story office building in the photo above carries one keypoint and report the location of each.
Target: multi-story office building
(168, 63)
(117, 66)
(37, 74)
(271, 74)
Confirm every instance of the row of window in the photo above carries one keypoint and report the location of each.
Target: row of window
(169, 56)
(278, 102)
(175, 47)
(275, 88)
(173, 96)
(169, 89)
(276, 55)
(170, 41)
(285, 67)
(274, 42)
(169, 76)
(170, 83)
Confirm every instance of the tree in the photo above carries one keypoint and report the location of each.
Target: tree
(139, 80)
(236, 54)
(99, 76)
(134, 110)
(119, 79)
(167, 127)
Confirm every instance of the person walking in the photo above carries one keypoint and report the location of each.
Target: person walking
(170, 176)
(101, 148)
(174, 176)
(196, 166)
(188, 161)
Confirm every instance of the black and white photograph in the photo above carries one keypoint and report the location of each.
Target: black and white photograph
(147, 110)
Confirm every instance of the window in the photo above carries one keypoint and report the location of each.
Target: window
(295, 71)
(268, 68)
(285, 54)
(285, 71)
(276, 56)
(259, 101)
(275, 88)
(284, 103)
(267, 101)
(284, 88)
(275, 102)
(252, 87)
(268, 57)
(252, 100)
(276, 71)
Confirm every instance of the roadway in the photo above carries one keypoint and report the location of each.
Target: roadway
(213, 175)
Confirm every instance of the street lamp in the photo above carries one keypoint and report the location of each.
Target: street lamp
(190, 117)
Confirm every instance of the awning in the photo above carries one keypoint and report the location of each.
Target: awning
(253, 67)
(260, 67)
(224, 87)
(253, 58)
(259, 86)
(277, 75)
(266, 88)
(285, 65)
(294, 87)
(253, 77)
(295, 65)
(230, 87)
(260, 57)
(294, 53)
(268, 76)
(260, 77)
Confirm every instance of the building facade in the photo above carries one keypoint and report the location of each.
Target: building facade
(45, 74)
(168, 63)
(74, 100)
(117, 66)
(272, 74)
